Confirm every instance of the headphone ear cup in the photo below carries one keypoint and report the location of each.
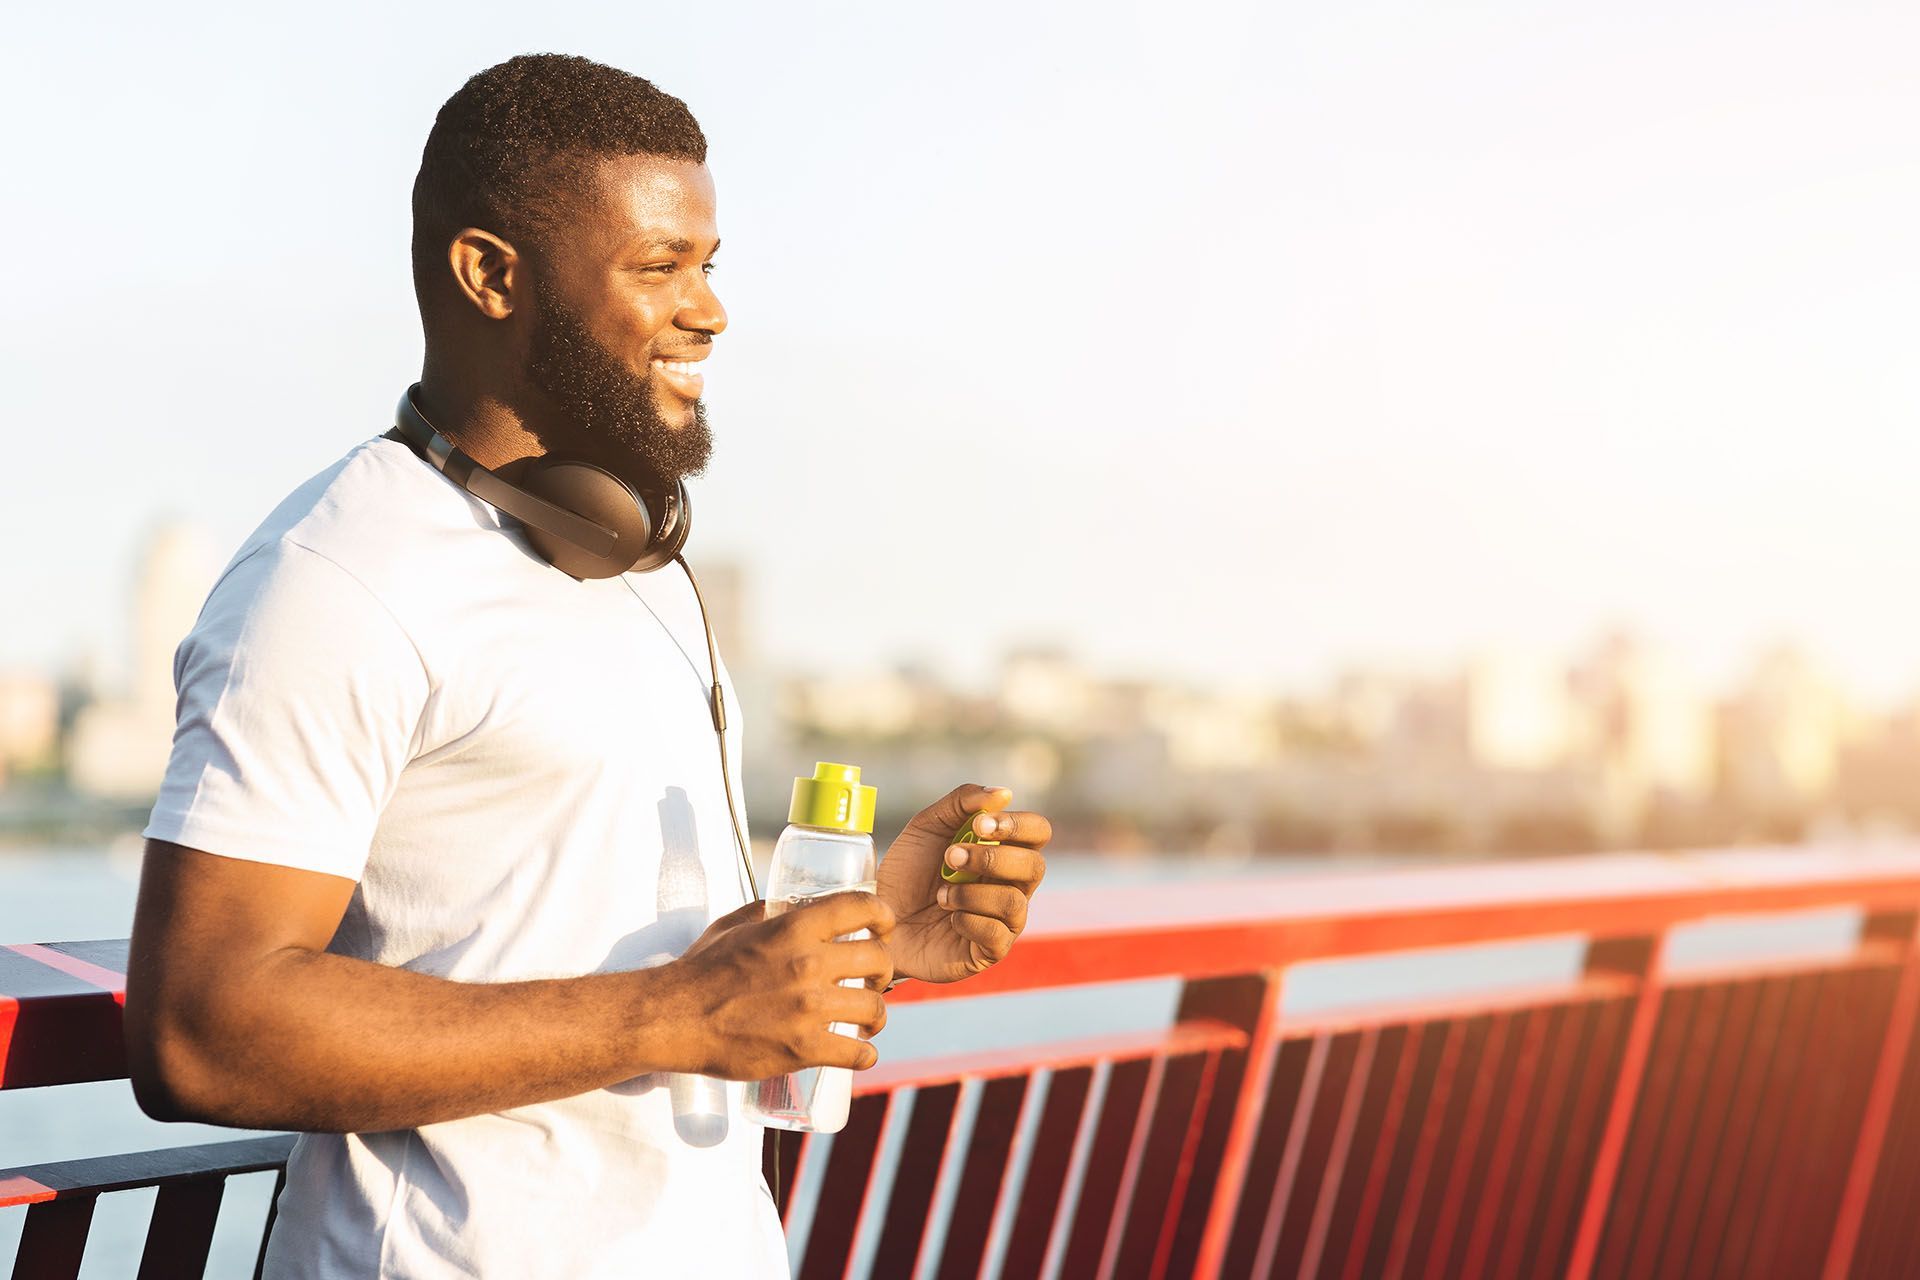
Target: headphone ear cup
(672, 523)
(594, 494)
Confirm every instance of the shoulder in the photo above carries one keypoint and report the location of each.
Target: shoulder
(379, 513)
(379, 518)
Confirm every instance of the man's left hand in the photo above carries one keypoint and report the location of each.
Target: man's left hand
(948, 931)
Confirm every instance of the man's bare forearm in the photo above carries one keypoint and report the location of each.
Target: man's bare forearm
(310, 1040)
(237, 1014)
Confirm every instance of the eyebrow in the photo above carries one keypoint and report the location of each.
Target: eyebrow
(674, 244)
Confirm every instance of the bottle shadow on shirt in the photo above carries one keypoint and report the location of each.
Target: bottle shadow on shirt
(682, 911)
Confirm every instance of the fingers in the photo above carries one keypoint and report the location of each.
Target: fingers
(1012, 863)
(865, 959)
(837, 914)
(949, 813)
(1030, 829)
(829, 1050)
(988, 939)
(1002, 902)
(858, 1007)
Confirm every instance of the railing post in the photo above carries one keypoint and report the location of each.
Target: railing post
(1642, 959)
(180, 1233)
(54, 1239)
(1252, 1003)
(1899, 928)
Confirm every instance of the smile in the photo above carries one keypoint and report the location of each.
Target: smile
(683, 377)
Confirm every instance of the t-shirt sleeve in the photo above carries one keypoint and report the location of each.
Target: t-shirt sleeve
(300, 701)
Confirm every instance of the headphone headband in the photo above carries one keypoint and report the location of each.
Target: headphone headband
(622, 534)
(449, 460)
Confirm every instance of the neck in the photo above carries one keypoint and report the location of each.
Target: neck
(485, 420)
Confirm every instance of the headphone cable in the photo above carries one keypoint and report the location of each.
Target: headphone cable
(717, 704)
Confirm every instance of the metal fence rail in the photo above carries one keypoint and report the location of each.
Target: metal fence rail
(191, 1180)
(1759, 1119)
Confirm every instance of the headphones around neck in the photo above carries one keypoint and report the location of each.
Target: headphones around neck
(584, 520)
(587, 523)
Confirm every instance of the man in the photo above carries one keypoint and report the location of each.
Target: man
(435, 871)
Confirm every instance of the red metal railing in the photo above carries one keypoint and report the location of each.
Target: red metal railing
(1638, 1119)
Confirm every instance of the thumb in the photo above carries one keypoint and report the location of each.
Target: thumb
(949, 813)
(746, 913)
(751, 913)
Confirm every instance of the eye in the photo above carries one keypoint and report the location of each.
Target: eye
(709, 268)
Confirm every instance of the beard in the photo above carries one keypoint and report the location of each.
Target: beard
(606, 401)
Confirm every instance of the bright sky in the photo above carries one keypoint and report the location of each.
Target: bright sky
(1231, 342)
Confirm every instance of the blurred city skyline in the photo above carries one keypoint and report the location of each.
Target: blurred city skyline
(1235, 344)
(1614, 744)
(174, 563)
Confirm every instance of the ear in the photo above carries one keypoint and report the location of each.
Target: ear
(486, 270)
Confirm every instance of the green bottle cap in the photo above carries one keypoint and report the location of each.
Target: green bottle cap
(955, 875)
(833, 798)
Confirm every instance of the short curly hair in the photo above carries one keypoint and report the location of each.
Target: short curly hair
(509, 148)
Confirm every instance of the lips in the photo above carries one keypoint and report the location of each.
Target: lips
(682, 377)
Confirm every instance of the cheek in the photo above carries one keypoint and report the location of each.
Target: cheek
(632, 346)
(640, 321)
(628, 325)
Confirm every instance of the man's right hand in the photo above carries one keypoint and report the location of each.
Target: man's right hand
(758, 993)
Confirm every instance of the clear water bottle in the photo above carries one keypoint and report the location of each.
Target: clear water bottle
(826, 848)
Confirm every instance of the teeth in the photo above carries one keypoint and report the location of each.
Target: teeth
(682, 368)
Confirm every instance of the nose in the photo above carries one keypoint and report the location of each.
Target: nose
(701, 311)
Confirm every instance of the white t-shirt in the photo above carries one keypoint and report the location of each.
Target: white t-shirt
(520, 772)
